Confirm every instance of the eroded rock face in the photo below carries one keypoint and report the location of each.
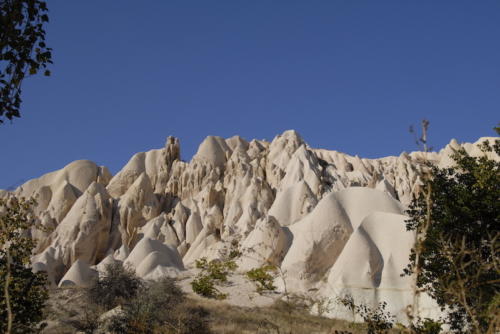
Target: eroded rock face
(267, 244)
(84, 232)
(332, 222)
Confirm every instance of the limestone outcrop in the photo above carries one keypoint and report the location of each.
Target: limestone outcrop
(332, 222)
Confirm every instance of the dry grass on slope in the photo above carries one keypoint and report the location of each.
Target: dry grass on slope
(223, 318)
(277, 319)
(67, 304)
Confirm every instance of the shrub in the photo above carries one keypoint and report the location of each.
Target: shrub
(322, 305)
(116, 286)
(426, 326)
(88, 321)
(204, 286)
(234, 250)
(216, 269)
(377, 320)
(212, 273)
(262, 278)
(160, 307)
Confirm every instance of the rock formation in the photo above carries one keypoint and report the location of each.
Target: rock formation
(332, 222)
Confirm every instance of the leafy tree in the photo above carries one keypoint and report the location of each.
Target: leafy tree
(22, 50)
(24, 292)
(456, 257)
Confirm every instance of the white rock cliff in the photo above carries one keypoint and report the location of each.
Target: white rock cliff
(332, 222)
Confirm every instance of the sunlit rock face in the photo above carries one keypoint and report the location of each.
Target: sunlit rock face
(333, 223)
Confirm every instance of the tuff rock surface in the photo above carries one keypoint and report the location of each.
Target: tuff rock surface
(332, 222)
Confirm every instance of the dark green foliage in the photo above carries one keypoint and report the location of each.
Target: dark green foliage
(28, 294)
(159, 308)
(262, 278)
(27, 291)
(234, 250)
(22, 50)
(426, 326)
(458, 258)
(116, 286)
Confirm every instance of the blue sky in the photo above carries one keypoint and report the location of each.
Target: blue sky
(347, 75)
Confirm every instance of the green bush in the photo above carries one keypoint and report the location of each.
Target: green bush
(234, 250)
(159, 307)
(88, 321)
(116, 286)
(377, 320)
(217, 270)
(426, 326)
(262, 278)
(204, 286)
(212, 273)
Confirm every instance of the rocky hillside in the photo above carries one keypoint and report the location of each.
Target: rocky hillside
(332, 222)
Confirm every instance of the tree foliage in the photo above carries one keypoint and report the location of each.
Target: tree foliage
(22, 50)
(457, 217)
(23, 292)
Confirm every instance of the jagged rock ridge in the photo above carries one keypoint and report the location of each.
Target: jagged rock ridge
(334, 223)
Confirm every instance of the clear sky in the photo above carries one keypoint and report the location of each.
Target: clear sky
(347, 75)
